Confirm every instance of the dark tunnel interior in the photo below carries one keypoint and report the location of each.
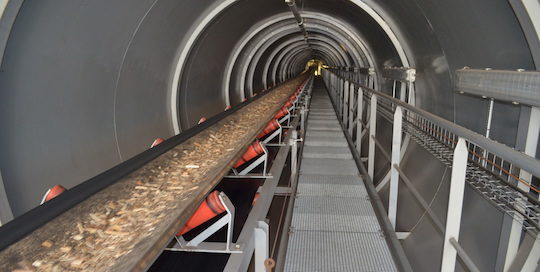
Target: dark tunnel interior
(86, 85)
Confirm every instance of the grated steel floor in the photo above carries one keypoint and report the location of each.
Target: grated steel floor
(334, 227)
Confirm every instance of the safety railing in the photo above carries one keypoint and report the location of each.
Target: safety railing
(491, 168)
(254, 238)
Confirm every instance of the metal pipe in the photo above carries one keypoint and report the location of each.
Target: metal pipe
(298, 18)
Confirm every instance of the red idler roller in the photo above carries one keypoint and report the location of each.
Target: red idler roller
(288, 104)
(255, 198)
(255, 149)
(270, 127)
(202, 120)
(209, 208)
(157, 141)
(53, 192)
(293, 98)
(282, 112)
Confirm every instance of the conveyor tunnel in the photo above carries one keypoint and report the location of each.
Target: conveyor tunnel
(87, 85)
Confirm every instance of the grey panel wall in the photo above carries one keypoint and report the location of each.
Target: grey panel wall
(57, 94)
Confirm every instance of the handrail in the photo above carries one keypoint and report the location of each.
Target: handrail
(348, 89)
(464, 256)
(402, 262)
(520, 159)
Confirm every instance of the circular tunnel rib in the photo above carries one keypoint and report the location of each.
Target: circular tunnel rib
(85, 92)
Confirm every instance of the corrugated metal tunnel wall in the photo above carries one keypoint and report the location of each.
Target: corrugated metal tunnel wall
(85, 85)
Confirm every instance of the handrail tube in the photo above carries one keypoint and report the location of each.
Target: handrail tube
(523, 161)
(402, 262)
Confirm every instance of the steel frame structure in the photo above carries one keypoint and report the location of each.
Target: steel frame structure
(491, 174)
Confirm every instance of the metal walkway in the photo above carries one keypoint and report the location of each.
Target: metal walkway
(334, 227)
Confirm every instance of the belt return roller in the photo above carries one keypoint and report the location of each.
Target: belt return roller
(255, 149)
(255, 155)
(273, 129)
(271, 126)
(209, 208)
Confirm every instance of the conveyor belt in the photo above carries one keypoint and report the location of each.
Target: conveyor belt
(334, 226)
(125, 226)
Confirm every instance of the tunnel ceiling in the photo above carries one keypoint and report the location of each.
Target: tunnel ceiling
(269, 47)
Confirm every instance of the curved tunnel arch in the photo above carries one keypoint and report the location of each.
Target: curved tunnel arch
(342, 60)
(330, 48)
(286, 25)
(255, 62)
(282, 63)
(165, 80)
(334, 29)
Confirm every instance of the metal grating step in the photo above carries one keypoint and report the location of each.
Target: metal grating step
(328, 167)
(331, 190)
(333, 205)
(322, 113)
(321, 133)
(326, 152)
(326, 141)
(322, 117)
(335, 222)
(337, 251)
(334, 226)
(323, 128)
(329, 179)
(322, 122)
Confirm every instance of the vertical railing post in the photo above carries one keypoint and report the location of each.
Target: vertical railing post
(394, 88)
(351, 108)
(531, 144)
(372, 130)
(359, 120)
(294, 153)
(261, 246)
(340, 101)
(333, 82)
(455, 205)
(303, 117)
(345, 106)
(394, 173)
